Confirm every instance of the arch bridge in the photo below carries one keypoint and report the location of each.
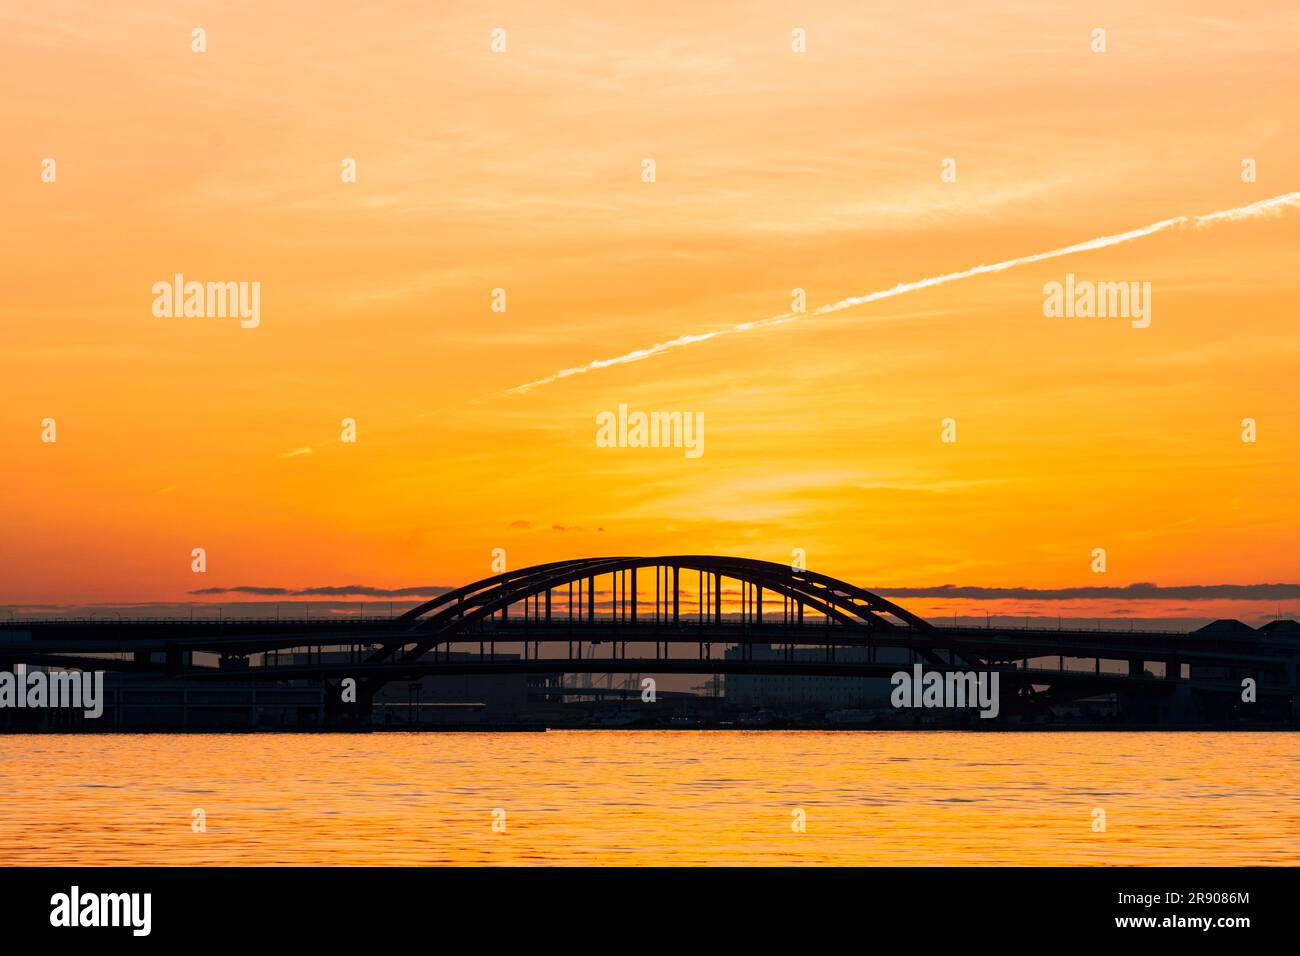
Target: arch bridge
(689, 614)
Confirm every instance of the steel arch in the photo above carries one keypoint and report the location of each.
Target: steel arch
(449, 614)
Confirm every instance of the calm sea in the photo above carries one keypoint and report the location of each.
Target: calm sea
(641, 798)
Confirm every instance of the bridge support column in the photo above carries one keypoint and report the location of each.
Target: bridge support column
(677, 594)
(654, 618)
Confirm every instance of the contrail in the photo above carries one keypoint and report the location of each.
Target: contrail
(1277, 203)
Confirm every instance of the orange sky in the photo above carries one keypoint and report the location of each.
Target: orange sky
(522, 170)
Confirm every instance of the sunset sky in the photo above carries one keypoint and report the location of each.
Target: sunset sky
(522, 170)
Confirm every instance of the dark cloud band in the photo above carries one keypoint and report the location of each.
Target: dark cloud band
(1129, 592)
(358, 590)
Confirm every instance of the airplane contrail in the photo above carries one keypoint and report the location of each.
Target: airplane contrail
(1276, 204)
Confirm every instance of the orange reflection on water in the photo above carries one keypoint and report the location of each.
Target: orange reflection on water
(634, 797)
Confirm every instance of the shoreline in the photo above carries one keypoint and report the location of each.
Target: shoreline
(1144, 728)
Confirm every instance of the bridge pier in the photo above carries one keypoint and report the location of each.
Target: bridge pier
(677, 594)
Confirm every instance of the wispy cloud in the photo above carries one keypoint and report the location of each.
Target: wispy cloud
(1263, 207)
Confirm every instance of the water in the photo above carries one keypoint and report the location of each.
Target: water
(642, 798)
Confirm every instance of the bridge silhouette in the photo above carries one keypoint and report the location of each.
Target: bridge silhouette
(702, 614)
